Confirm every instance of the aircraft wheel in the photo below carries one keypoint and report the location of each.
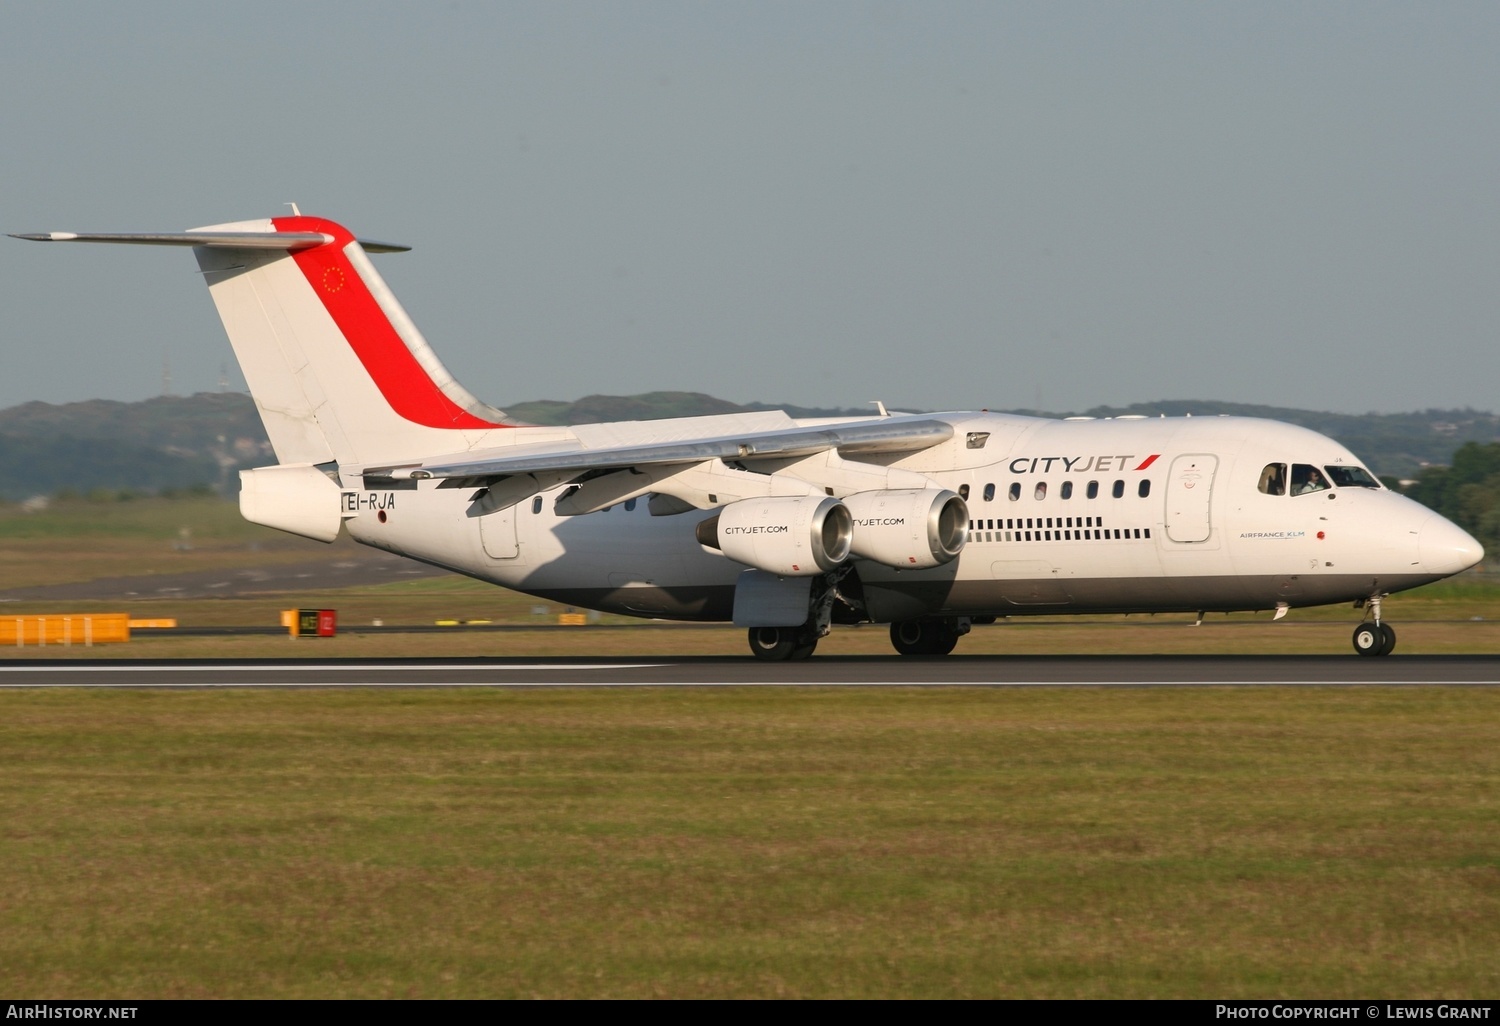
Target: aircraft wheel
(1370, 640)
(804, 650)
(943, 641)
(909, 637)
(773, 644)
(923, 637)
(782, 644)
(1389, 638)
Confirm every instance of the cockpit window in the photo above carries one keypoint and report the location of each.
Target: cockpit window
(1351, 477)
(1307, 479)
(1273, 479)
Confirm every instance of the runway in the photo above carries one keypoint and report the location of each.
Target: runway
(866, 671)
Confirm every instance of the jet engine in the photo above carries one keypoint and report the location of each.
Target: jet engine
(794, 536)
(913, 530)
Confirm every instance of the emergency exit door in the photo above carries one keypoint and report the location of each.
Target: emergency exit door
(1189, 492)
(497, 531)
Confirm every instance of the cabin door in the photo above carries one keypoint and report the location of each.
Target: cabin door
(498, 533)
(1189, 490)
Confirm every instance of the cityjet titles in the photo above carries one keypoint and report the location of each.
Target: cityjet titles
(354, 502)
(768, 529)
(880, 522)
(1078, 464)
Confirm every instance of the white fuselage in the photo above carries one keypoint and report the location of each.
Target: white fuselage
(1127, 515)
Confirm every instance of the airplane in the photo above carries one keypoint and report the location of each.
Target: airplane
(931, 523)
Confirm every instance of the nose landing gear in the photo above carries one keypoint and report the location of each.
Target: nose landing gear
(1374, 638)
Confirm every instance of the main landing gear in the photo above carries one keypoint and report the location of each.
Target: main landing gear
(910, 638)
(782, 644)
(1374, 638)
(928, 637)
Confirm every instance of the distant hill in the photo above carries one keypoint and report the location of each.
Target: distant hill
(177, 442)
(170, 442)
(597, 409)
(191, 423)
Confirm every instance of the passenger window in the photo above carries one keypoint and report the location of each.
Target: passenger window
(963, 492)
(1015, 490)
(1351, 477)
(629, 505)
(1273, 479)
(536, 504)
(989, 493)
(1067, 489)
(1040, 491)
(1144, 489)
(1093, 490)
(1307, 479)
(1118, 491)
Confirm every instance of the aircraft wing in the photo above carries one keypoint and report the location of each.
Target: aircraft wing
(885, 435)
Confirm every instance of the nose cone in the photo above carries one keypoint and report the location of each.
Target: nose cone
(1445, 548)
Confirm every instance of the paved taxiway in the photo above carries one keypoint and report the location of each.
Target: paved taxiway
(993, 671)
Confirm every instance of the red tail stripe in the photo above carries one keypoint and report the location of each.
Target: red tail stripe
(403, 382)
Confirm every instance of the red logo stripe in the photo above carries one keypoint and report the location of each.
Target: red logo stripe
(391, 365)
(1148, 461)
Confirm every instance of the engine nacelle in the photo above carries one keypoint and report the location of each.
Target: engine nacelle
(794, 536)
(912, 530)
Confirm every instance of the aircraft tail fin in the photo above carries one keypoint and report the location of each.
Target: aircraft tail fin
(337, 369)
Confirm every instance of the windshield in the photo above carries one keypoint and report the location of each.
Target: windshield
(1306, 479)
(1352, 477)
(1273, 479)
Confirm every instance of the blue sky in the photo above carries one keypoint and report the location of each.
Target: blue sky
(941, 205)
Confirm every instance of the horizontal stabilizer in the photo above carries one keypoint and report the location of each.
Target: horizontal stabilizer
(212, 240)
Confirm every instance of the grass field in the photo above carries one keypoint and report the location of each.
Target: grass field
(754, 842)
(81, 540)
(1190, 842)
